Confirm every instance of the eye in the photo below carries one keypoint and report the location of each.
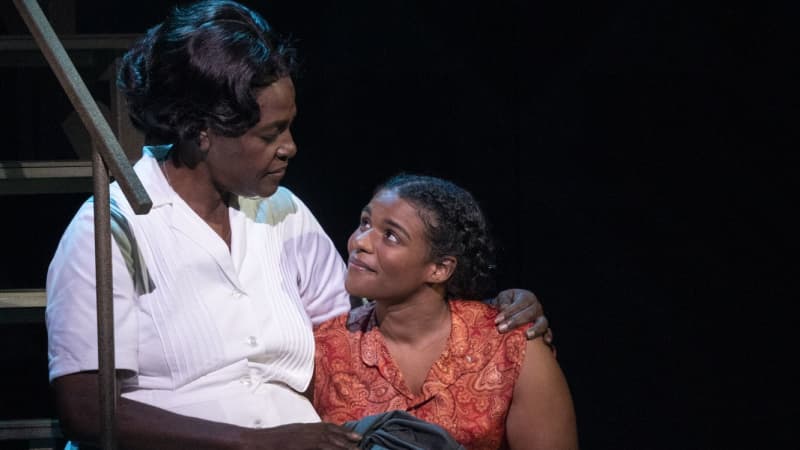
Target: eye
(270, 138)
(391, 236)
(364, 223)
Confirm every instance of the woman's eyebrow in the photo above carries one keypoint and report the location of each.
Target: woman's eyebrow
(277, 125)
(399, 227)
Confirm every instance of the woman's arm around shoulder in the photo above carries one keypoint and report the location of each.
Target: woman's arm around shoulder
(541, 415)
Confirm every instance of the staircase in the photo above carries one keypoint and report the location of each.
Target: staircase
(45, 174)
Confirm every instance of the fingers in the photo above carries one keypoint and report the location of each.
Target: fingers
(519, 313)
(339, 437)
(548, 337)
(343, 432)
(511, 297)
(505, 298)
(540, 328)
(512, 301)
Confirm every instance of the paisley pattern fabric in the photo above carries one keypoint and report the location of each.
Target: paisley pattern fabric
(467, 391)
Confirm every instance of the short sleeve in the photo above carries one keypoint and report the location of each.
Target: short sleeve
(321, 271)
(71, 313)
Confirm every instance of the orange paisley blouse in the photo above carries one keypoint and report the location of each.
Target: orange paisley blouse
(467, 391)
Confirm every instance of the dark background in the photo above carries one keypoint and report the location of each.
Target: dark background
(634, 158)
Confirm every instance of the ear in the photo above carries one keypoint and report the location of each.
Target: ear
(442, 270)
(203, 141)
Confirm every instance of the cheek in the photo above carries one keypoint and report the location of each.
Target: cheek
(407, 264)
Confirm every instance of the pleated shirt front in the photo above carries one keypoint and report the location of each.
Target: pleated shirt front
(218, 333)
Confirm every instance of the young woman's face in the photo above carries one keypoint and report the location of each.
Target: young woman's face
(254, 164)
(388, 252)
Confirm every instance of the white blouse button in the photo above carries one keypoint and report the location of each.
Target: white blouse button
(245, 380)
(257, 423)
(252, 341)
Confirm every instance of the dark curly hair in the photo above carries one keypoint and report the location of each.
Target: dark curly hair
(455, 226)
(200, 69)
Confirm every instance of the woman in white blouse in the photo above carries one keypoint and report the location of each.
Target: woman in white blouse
(216, 290)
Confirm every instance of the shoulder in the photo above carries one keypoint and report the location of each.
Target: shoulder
(333, 341)
(80, 231)
(333, 329)
(477, 319)
(474, 313)
(355, 321)
(271, 210)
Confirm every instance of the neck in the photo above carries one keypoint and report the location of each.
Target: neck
(414, 321)
(195, 187)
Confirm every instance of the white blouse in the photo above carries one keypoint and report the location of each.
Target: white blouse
(224, 335)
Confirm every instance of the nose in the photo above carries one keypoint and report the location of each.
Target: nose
(288, 149)
(361, 241)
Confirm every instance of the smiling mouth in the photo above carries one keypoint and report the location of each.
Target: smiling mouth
(358, 265)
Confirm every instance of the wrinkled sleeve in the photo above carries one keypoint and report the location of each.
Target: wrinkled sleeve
(71, 313)
(321, 271)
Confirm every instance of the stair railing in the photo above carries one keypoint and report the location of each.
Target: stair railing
(106, 154)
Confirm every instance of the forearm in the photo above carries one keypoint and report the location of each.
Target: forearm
(141, 426)
(138, 425)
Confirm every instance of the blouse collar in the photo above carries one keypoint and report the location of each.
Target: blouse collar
(462, 354)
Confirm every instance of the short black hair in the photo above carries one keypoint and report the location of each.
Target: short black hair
(454, 226)
(200, 69)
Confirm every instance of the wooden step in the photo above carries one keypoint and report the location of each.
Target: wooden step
(24, 42)
(22, 306)
(40, 433)
(37, 177)
(24, 298)
(85, 50)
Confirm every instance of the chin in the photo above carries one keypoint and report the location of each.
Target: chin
(354, 290)
(265, 191)
(268, 193)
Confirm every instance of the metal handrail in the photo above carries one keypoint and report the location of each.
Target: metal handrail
(106, 154)
(72, 83)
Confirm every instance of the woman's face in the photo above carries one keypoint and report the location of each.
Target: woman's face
(254, 164)
(388, 252)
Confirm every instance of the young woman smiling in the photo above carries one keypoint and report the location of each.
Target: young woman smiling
(421, 243)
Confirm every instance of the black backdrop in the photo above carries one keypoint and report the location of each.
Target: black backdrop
(635, 160)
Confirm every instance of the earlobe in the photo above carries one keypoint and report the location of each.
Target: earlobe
(443, 270)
